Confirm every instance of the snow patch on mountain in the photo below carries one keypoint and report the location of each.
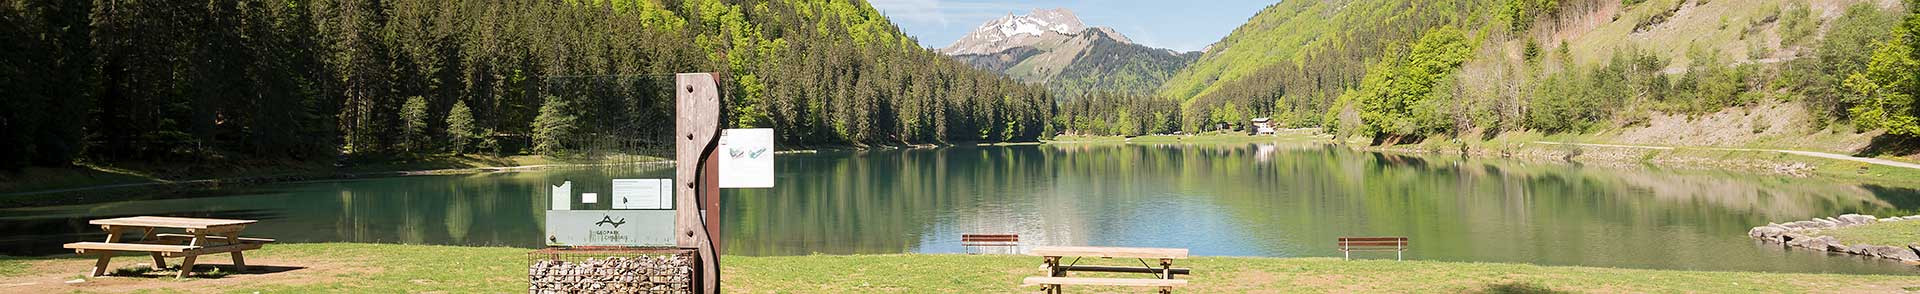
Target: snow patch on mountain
(1016, 30)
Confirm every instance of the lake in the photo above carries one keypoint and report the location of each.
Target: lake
(1280, 200)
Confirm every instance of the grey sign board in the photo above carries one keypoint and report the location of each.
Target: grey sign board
(610, 228)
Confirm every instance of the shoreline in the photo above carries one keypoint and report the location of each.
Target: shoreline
(15, 199)
(328, 267)
(1757, 161)
(1740, 160)
(1818, 235)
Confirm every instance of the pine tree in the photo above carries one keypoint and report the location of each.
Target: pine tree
(460, 127)
(555, 125)
(414, 132)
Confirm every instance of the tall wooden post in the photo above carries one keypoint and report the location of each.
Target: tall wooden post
(696, 142)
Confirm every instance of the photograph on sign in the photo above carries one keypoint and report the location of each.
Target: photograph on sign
(746, 158)
(563, 196)
(642, 194)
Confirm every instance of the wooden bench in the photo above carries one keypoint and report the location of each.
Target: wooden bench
(1396, 244)
(1053, 283)
(968, 241)
(203, 236)
(1057, 273)
(97, 247)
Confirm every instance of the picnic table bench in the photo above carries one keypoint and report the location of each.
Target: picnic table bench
(1396, 244)
(203, 236)
(1057, 273)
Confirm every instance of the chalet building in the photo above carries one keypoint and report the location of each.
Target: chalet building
(1261, 126)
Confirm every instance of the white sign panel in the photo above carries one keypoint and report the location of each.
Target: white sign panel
(642, 194)
(746, 158)
(589, 198)
(563, 196)
(610, 228)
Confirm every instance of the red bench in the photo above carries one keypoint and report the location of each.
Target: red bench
(968, 241)
(1396, 244)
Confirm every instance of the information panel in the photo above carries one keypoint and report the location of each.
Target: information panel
(642, 194)
(562, 196)
(746, 158)
(610, 228)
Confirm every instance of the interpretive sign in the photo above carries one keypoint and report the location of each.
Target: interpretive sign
(642, 194)
(610, 228)
(562, 196)
(746, 158)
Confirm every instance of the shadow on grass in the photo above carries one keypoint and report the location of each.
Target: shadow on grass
(1519, 288)
(1890, 145)
(201, 271)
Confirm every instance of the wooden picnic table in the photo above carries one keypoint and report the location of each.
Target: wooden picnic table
(202, 236)
(1057, 274)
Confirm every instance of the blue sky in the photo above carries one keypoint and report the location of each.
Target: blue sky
(1171, 24)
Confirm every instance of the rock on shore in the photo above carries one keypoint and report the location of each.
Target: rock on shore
(1806, 234)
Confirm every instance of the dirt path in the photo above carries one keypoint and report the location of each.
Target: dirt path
(52, 275)
(1835, 156)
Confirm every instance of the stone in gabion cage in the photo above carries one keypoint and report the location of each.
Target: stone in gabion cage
(561, 271)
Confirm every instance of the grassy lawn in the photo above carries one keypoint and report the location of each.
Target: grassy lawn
(345, 267)
(12, 267)
(1898, 233)
(1000, 273)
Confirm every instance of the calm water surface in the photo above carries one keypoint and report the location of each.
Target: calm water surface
(1281, 200)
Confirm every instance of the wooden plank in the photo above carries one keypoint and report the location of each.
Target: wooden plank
(1374, 249)
(216, 249)
(1030, 281)
(1373, 244)
(1373, 239)
(170, 222)
(131, 247)
(158, 261)
(1123, 269)
(696, 138)
(100, 266)
(989, 238)
(186, 265)
(1124, 252)
(976, 244)
(216, 238)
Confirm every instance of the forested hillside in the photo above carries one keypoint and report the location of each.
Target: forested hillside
(193, 81)
(1091, 60)
(1401, 70)
(1115, 66)
(1293, 58)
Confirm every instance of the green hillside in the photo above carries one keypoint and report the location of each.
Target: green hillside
(1342, 35)
(1109, 65)
(1400, 70)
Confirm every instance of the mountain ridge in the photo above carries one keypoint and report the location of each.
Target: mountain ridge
(1034, 48)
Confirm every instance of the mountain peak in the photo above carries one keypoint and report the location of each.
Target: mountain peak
(1016, 30)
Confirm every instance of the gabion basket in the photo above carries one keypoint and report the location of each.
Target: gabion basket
(610, 270)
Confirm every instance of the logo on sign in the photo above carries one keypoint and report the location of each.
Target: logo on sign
(605, 220)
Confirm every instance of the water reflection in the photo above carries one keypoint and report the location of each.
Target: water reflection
(1252, 200)
(1290, 200)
